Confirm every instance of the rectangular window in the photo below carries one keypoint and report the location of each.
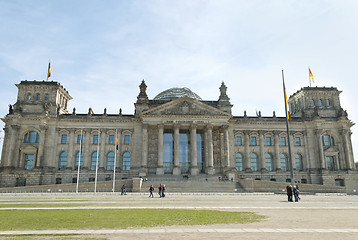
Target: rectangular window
(253, 141)
(79, 139)
(297, 141)
(283, 141)
(238, 141)
(268, 141)
(95, 139)
(126, 139)
(111, 139)
(63, 138)
(29, 161)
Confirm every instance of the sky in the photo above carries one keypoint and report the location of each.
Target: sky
(100, 51)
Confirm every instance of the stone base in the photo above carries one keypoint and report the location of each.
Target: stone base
(210, 171)
(143, 172)
(176, 171)
(194, 171)
(160, 171)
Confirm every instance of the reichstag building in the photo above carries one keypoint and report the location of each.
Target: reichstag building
(174, 133)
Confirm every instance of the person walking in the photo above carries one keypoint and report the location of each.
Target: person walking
(163, 190)
(160, 190)
(123, 190)
(151, 189)
(289, 193)
(295, 193)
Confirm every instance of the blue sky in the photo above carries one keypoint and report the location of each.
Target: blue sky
(101, 50)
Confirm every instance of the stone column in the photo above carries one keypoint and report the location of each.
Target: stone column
(160, 168)
(262, 152)
(119, 153)
(277, 161)
(210, 170)
(293, 155)
(40, 153)
(246, 163)
(86, 148)
(4, 156)
(322, 162)
(348, 149)
(70, 156)
(10, 161)
(306, 162)
(226, 147)
(143, 171)
(194, 155)
(176, 169)
(102, 153)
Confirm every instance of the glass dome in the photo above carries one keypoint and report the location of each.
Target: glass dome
(173, 93)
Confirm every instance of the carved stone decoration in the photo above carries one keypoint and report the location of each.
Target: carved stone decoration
(186, 108)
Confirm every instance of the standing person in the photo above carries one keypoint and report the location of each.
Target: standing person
(151, 189)
(123, 190)
(163, 190)
(289, 193)
(160, 190)
(295, 193)
(298, 192)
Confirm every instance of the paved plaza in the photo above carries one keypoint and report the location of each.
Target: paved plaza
(322, 216)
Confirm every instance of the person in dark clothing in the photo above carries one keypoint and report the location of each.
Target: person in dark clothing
(160, 190)
(123, 190)
(295, 193)
(289, 193)
(151, 189)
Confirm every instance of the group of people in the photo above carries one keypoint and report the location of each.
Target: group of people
(161, 190)
(292, 190)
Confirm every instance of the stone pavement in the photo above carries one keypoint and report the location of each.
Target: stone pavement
(314, 217)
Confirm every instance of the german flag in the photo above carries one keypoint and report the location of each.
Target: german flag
(311, 75)
(49, 71)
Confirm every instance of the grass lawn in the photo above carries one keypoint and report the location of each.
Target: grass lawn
(116, 218)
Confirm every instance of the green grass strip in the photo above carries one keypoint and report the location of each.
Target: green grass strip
(116, 218)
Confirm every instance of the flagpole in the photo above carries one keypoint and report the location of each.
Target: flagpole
(49, 70)
(79, 161)
(95, 181)
(309, 76)
(288, 131)
(115, 160)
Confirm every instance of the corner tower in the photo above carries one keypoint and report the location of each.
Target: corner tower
(40, 97)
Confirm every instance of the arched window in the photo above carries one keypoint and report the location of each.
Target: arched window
(328, 102)
(238, 162)
(126, 161)
(299, 162)
(32, 137)
(81, 160)
(268, 162)
(253, 161)
(93, 160)
(29, 96)
(312, 102)
(328, 140)
(62, 163)
(321, 102)
(110, 161)
(284, 162)
(47, 97)
(38, 97)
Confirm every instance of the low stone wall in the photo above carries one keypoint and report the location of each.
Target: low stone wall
(132, 185)
(249, 185)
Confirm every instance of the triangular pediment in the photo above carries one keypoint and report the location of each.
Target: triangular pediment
(331, 149)
(185, 106)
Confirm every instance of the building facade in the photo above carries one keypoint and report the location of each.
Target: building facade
(174, 133)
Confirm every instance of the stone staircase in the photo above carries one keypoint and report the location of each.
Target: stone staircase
(195, 184)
